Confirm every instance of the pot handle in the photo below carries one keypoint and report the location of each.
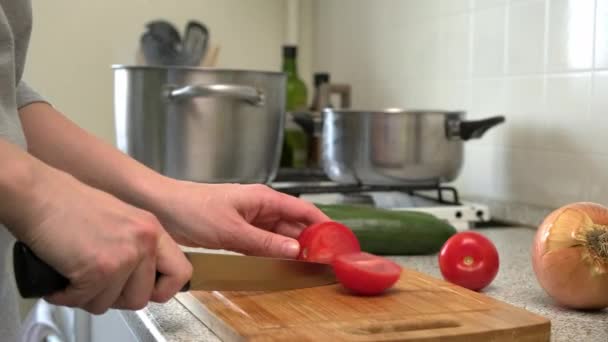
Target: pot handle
(466, 130)
(248, 94)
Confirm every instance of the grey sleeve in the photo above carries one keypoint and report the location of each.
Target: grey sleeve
(27, 95)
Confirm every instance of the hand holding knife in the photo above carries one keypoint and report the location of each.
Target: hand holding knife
(211, 272)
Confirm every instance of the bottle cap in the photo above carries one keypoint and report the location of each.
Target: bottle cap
(320, 78)
(290, 51)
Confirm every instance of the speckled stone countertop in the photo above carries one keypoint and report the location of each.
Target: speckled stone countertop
(514, 284)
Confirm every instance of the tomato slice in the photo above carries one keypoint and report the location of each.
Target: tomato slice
(470, 260)
(366, 274)
(322, 242)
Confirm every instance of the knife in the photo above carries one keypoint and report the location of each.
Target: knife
(211, 272)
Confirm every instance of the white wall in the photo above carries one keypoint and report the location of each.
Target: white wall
(74, 44)
(544, 64)
(306, 41)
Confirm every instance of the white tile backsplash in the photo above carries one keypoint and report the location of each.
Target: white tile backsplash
(540, 177)
(489, 42)
(525, 95)
(567, 113)
(570, 36)
(418, 10)
(487, 3)
(568, 96)
(454, 95)
(454, 6)
(597, 130)
(596, 171)
(541, 63)
(526, 40)
(454, 46)
(418, 94)
(524, 110)
(480, 169)
(420, 50)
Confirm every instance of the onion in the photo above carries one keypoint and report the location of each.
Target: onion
(570, 255)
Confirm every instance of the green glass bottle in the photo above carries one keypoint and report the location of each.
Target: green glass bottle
(297, 94)
(295, 141)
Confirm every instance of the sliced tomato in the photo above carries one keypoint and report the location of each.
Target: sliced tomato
(470, 260)
(322, 242)
(366, 274)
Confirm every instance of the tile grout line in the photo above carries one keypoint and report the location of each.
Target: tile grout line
(523, 76)
(546, 36)
(594, 35)
(470, 60)
(593, 60)
(505, 69)
(592, 81)
(543, 104)
(587, 183)
(506, 35)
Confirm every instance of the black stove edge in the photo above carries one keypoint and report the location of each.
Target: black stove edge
(299, 189)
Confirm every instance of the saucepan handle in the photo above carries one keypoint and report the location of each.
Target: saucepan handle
(473, 129)
(247, 94)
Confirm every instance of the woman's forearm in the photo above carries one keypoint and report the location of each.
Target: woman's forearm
(20, 192)
(57, 141)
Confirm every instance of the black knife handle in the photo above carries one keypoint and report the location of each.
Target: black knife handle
(36, 279)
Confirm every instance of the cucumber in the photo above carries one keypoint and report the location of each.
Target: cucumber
(387, 232)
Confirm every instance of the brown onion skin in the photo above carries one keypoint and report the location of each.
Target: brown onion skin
(562, 274)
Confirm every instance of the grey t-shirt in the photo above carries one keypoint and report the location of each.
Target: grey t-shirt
(15, 28)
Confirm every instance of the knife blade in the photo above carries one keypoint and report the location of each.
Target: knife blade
(211, 272)
(248, 273)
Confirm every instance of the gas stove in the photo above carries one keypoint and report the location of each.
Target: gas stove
(439, 200)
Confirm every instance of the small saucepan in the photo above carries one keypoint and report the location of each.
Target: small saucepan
(397, 147)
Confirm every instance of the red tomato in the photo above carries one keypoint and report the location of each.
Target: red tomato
(365, 273)
(322, 242)
(469, 259)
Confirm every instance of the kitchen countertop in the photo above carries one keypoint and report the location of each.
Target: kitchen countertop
(514, 284)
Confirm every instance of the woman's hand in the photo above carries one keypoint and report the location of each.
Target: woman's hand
(109, 250)
(249, 219)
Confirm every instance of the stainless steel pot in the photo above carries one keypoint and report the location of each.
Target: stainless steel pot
(203, 125)
(397, 147)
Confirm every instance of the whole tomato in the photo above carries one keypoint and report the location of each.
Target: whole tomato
(470, 260)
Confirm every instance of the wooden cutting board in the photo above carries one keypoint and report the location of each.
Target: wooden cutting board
(419, 308)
